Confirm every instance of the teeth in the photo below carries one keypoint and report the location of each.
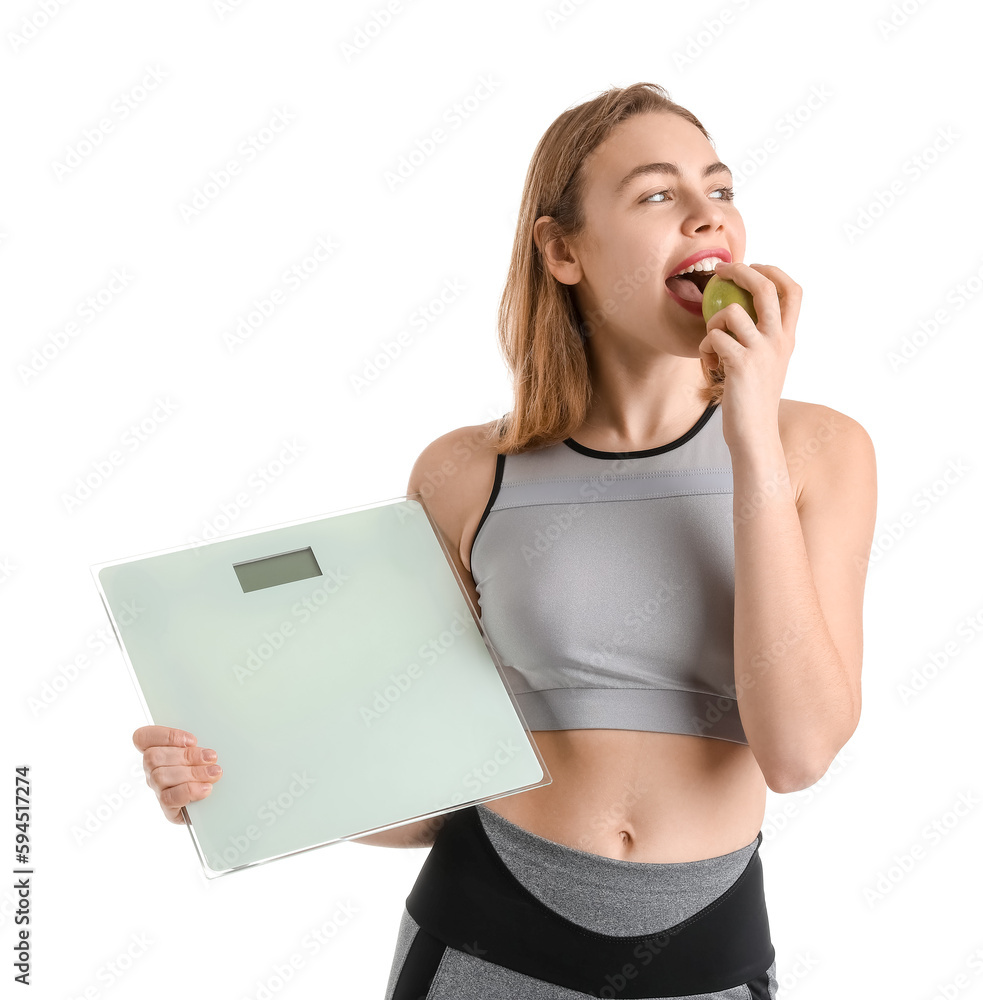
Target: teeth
(707, 264)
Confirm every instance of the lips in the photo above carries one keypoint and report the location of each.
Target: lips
(722, 252)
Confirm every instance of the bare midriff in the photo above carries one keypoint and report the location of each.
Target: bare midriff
(642, 796)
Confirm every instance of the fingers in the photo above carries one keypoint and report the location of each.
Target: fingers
(772, 289)
(788, 290)
(177, 770)
(177, 785)
(718, 351)
(159, 736)
(789, 293)
(174, 797)
(166, 766)
(733, 319)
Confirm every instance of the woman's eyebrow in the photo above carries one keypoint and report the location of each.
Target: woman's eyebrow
(668, 168)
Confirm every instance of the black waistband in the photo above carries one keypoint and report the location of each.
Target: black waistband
(466, 897)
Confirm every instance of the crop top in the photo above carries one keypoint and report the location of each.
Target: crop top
(606, 584)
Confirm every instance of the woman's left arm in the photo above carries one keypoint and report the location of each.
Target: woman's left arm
(800, 563)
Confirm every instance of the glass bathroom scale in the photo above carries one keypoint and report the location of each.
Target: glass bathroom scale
(338, 669)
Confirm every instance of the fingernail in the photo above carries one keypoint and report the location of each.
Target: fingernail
(213, 769)
(209, 755)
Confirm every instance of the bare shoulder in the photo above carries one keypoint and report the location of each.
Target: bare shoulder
(454, 474)
(811, 431)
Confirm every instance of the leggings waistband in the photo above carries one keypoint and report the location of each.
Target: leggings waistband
(611, 895)
(467, 898)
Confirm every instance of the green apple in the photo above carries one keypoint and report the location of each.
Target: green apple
(721, 292)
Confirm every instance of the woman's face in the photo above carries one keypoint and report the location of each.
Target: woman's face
(640, 231)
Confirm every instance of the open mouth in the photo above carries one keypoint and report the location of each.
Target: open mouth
(699, 278)
(689, 287)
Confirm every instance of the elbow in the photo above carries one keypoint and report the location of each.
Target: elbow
(798, 776)
(794, 775)
(785, 782)
(787, 773)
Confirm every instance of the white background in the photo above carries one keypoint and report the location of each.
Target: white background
(747, 70)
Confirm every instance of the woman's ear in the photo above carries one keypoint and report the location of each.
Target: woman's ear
(558, 257)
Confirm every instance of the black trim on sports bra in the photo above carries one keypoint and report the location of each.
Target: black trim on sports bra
(496, 486)
(645, 453)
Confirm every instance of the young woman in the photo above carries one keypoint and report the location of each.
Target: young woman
(670, 560)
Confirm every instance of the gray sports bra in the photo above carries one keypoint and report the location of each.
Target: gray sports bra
(606, 584)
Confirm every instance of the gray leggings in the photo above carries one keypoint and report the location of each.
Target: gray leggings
(605, 895)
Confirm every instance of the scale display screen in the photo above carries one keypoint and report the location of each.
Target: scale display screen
(337, 666)
(288, 567)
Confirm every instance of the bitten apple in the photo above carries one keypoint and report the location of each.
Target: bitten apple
(721, 292)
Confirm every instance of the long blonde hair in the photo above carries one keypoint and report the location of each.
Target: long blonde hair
(540, 330)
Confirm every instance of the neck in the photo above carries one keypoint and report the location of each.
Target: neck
(641, 405)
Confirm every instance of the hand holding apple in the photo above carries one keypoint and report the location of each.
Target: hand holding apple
(755, 353)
